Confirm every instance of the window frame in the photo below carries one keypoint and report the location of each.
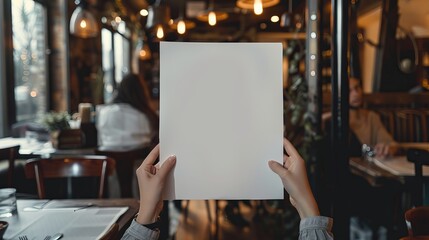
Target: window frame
(114, 31)
(7, 79)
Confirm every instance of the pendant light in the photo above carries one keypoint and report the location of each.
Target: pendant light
(82, 21)
(157, 18)
(181, 24)
(286, 19)
(257, 5)
(211, 16)
(142, 50)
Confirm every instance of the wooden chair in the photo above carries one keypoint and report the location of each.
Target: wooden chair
(420, 158)
(387, 117)
(425, 125)
(84, 166)
(417, 220)
(10, 153)
(410, 125)
(125, 158)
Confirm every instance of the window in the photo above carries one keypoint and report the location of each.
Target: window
(116, 57)
(29, 30)
(2, 77)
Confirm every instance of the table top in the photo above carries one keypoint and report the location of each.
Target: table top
(59, 211)
(418, 145)
(378, 171)
(33, 148)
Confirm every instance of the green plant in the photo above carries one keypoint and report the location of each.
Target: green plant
(55, 121)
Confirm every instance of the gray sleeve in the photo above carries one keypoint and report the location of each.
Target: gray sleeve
(139, 232)
(318, 228)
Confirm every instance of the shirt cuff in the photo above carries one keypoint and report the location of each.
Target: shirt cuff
(141, 232)
(317, 222)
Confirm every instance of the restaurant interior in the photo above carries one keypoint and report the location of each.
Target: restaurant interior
(63, 61)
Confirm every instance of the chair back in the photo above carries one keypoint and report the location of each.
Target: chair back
(69, 167)
(125, 158)
(10, 153)
(417, 220)
(420, 158)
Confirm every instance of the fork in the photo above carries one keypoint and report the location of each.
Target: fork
(23, 237)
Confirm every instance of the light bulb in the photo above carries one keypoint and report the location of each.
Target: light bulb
(212, 18)
(142, 53)
(159, 32)
(83, 23)
(181, 27)
(144, 12)
(257, 7)
(275, 18)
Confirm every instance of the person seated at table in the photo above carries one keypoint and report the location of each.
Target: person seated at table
(371, 206)
(128, 120)
(292, 173)
(365, 125)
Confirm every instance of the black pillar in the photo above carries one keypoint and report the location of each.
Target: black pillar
(385, 68)
(340, 117)
(355, 68)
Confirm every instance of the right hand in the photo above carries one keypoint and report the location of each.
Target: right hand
(294, 177)
(152, 179)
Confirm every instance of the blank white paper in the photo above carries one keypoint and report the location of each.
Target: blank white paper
(221, 114)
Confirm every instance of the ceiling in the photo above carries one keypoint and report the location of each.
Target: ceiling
(239, 23)
(242, 23)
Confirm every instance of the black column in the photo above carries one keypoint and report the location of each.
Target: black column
(340, 117)
(385, 66)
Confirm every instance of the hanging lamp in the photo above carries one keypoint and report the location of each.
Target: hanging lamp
(211, 15)
(82, 21)
(142, 50)
(257, 5)
(181, 24)
(286, 19)
(158, 18)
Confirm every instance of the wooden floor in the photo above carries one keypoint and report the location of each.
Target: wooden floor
(198, 227)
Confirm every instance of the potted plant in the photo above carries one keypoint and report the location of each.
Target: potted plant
(56, 122)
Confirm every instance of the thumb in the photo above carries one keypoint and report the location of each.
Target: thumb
(167, 166)
(277, 168)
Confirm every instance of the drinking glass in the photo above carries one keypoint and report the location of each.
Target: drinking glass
(368, 153)
(7, 202)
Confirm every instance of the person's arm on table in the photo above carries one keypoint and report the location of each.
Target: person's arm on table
(294, 177)
(151, 180)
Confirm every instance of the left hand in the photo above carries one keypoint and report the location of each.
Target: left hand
(151, 181)
(383, 150)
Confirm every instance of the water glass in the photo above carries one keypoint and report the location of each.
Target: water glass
(31, 137)
(7, 202)
(368, 153)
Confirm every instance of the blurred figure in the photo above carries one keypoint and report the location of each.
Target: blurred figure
(129, 119)
(365, 125)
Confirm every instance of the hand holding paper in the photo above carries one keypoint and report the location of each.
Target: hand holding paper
(294, 177)
(151, 184)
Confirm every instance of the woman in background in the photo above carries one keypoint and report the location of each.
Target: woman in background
(128, 120)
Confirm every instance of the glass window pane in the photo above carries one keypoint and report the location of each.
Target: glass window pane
(107, 62)
(122, 57)
(30, 63)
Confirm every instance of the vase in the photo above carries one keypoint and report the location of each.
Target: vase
(53, 137)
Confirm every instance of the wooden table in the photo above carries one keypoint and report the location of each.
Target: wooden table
(417, 145)
(375, 175)
(25, 217)
(33, 149)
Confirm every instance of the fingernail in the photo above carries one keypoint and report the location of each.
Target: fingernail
(172, 158)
